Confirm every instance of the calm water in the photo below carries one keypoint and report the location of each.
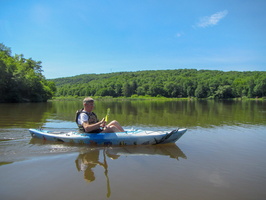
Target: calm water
(222, 155)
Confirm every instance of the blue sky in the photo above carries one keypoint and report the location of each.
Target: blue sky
(73, 37)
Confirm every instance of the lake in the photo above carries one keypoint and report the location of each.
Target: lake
(221, 156)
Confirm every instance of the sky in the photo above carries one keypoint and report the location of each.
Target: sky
(72, 37)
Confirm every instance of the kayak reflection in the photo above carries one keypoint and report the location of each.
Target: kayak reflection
(88, 160)
(171, 150)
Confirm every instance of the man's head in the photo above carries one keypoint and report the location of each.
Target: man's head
(88, 103)
(88, 100)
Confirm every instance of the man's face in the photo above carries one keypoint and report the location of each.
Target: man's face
(89, 106)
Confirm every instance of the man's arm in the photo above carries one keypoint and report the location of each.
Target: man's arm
(91, 127)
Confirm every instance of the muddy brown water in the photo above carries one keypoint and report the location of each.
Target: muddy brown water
(221, 156)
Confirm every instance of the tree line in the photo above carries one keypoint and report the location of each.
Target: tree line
(21, 79)
(166, 83)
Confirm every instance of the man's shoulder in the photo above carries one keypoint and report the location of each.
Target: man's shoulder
(84, 113)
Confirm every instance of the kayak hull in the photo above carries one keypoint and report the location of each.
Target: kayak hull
(135, 137)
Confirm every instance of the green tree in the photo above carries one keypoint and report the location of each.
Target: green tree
(22, 79)
(126, 90)
(260, 88)
(201, 91)
(224, 92)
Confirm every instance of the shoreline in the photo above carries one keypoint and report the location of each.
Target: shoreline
(148, 98)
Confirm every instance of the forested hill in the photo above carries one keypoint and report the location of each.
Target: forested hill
(167, 83)
(21, 79)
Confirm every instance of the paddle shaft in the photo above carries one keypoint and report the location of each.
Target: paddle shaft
(108, 112)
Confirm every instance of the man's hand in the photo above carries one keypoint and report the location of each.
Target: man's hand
(103, 123)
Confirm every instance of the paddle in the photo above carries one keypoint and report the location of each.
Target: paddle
(106, 174)
(106, 117)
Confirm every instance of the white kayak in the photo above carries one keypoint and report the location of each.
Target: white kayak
(130, 137)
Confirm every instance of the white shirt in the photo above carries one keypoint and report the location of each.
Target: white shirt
(83, 117)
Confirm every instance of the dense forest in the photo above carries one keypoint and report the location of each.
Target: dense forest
(166, 83)
(21, 79)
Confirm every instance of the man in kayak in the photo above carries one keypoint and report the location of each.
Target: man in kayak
(88, 122)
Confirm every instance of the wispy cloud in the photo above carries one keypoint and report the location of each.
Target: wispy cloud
(179, 34)
(211, 20)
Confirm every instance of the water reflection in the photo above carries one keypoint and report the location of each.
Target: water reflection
(137, 113)
(24, 115)
(87, 161)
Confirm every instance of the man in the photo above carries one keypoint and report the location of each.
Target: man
(88, 122)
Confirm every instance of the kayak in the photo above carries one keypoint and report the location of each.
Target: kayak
(129, 137)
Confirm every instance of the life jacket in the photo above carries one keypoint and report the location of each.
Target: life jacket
(92, 118)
